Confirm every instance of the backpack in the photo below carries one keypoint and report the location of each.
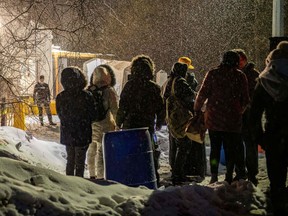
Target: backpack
(177, 116)
(98, 101)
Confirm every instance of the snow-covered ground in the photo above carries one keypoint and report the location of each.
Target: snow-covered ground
(35, 184)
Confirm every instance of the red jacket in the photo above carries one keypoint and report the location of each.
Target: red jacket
(227, 92)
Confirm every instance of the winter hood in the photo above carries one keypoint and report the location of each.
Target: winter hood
(179, 69)
(73, 78)
(274, 79)
(142, 68)
(103, 76)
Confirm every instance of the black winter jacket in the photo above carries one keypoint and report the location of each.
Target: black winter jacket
(182, 91)
(276, 118)
(140, 105)
(76, 111)
(252, 74)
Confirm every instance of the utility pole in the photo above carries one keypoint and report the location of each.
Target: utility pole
(277, 24)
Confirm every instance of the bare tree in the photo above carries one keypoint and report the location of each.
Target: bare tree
(164, 30)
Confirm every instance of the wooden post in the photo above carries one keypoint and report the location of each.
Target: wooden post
(3, 112)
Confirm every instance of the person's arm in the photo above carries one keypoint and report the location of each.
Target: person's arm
(203, 93)
(48, 93)
(160, 110)
(256, 112)
(245, 92)
(123, 105)
(113, 102)
(35, 93)
(58, 107)
(185, 93)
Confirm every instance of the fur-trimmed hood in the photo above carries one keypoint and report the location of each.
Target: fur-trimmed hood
(103, 75)
(142, 67)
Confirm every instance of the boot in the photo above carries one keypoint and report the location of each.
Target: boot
(50, 120)
(228, 178)
(214, 178)
(41, 121)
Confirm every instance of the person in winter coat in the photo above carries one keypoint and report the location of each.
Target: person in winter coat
(141, 104)
(251, 147)
(191, 80)
(41, 96)
(76, 111)
(103, 78)
(186, 95)
(271, 97)
(226, 91)
(196, 161)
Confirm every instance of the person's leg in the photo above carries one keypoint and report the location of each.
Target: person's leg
(234, 155)
(40, 110)
(200, 156)
(91, 159)
(239, 156)
(276, 159)
(48, 112)
(216, 139)
(156, 155)
(80, 157)
(229, 150)
(192, 160)
(98, 136)
(100, 161)
(172, 150)
(92, 152)
(251, 149)
(184, 146)
(70, 166)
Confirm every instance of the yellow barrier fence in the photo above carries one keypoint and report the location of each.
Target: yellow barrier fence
(19, 116)
(32, 109)
(13, 113)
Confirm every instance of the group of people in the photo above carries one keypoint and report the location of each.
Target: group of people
(233, 97)
(245, 107)
(140, 105)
